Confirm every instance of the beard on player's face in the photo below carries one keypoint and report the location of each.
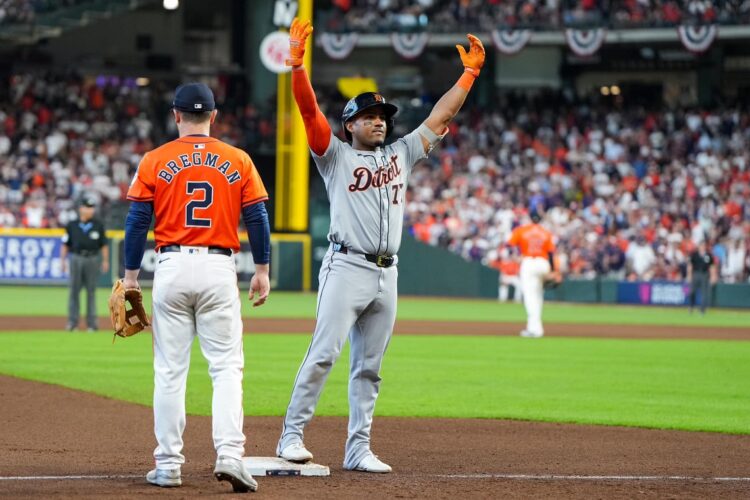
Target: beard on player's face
(369, 129)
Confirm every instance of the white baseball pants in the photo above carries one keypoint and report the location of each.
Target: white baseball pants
(195, 293)
(532, 274)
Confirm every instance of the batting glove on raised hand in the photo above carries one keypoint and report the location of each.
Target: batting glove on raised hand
(298, 33)
(474, 59)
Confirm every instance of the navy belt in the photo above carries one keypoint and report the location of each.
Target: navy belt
(378, 260)
(217, 250)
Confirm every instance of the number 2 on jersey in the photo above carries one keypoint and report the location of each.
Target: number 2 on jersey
(208, 198)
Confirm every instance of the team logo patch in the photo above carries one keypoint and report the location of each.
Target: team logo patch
(94, 235)
(199, 146)
(378, 98)
(198, 106)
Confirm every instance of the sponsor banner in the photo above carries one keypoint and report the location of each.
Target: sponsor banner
(31, 258)
(243, 261)
(661, 293)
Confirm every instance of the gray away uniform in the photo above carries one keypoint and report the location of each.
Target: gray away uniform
(356, 297)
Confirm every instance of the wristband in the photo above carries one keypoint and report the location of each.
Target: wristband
(467, 79)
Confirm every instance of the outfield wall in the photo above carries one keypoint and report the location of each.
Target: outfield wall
(32, 257)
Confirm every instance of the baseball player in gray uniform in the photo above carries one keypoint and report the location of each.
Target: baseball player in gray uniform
(365, 181)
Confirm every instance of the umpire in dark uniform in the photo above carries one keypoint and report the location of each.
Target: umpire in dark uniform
(86, 243)
(701, 274)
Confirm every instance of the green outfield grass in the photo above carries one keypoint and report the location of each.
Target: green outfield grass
(692, 385)
(52, 301)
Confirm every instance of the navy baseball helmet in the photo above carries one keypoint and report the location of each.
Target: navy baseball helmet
(365, 101)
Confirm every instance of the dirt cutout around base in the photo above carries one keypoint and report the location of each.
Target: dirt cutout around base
(54, 431)
(414, 327)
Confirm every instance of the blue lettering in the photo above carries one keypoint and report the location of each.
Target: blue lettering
(211, 160)
(173, 166)
(185, 162)
(234, 176)
(165, 175)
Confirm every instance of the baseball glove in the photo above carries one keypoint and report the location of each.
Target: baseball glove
(127, 322)
(552, 279)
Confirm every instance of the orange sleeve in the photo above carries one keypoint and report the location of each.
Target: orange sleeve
(253, 189)
(513, 240)
(143, 184)
(316, 126)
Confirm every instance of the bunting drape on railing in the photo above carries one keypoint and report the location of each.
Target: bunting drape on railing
(510, 42)
(697, 39)
(585, 42)
(409, 45)
(338, 46)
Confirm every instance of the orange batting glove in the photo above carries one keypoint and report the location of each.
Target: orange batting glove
(474, 59)
(298, 33)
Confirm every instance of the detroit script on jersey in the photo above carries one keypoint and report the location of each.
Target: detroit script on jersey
(366, 190)
(198, 186)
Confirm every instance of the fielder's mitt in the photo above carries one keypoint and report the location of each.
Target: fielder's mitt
(127, 322)
(552, 279)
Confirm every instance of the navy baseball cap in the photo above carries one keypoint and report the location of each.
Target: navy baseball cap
(193, 98)
(88, 202)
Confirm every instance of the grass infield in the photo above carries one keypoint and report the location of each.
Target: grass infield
(669, 384)
(52, 301)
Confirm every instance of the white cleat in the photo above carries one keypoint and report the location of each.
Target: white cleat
(371, 463)
(166, 478)
(531, 335)
(296, 452)
(233, 470)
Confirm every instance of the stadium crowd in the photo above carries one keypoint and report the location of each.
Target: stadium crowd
(456, 15)
(63, 137)
(628, 194)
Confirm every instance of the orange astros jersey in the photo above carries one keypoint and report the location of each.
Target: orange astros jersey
(198, 186)
(533, 240)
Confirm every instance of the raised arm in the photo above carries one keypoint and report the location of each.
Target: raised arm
(448, 105)
(316, 126)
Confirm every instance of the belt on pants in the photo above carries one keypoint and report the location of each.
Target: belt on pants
(216, 250)
(378, 260)
(87, 253)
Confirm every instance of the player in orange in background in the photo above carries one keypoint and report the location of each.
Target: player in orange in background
(538, 263)
(197, 187)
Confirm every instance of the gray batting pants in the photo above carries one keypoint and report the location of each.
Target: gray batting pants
(700, 283)
(83, 272)
(355, 299)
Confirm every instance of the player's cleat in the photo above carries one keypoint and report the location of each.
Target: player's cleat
(371, 463)
(531, 335)
(166, 478)
(233, 470)
(70, 327)
(296, 452)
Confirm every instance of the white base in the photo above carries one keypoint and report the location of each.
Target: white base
(274, 466)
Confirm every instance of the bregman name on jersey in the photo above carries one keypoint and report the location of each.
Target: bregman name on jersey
(198, 159)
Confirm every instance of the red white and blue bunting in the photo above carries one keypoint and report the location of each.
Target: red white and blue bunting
(510, 42)
(338, 46)
(585, 42)
(409, 45)
(697, 39)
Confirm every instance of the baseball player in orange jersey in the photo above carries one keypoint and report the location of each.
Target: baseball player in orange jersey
(197, 187)
(538, 262)
(365, 182)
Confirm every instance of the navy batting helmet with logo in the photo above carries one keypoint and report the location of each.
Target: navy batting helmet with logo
(365, 101)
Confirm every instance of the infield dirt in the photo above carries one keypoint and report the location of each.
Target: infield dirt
(53, 431)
